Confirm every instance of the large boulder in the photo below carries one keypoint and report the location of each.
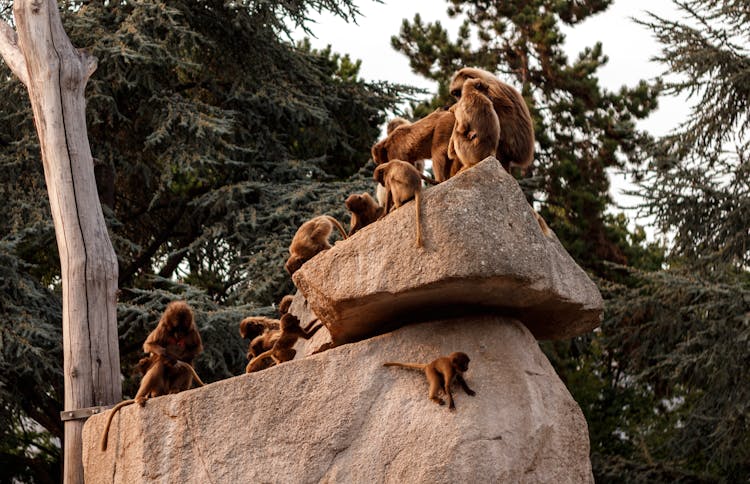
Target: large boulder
(340, 416)
(484, 252)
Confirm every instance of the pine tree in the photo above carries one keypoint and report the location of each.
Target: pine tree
(687, 328)
(215, 138)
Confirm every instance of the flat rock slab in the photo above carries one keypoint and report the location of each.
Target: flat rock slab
(484, 252)
(340, 416)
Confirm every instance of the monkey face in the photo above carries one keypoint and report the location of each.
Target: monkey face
(289, 322)
(293, 264)
(355, 203)
(379, 174)
(379, 152)
(460, 361)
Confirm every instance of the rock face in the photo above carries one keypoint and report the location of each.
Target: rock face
(484, 252)
(340, 416)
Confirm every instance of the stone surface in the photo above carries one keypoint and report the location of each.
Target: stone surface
(484, 252)
(340, 416)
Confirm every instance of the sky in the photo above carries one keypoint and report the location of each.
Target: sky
(628, 46)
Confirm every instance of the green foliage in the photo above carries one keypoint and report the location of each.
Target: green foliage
(223, 136)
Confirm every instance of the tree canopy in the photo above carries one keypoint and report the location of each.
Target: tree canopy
(215, 136)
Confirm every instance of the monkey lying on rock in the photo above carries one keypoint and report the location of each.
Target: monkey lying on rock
(440, 373)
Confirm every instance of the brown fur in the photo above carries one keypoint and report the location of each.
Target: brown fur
(310, 239)
(516, 143)
(282, 349)
(477, 129)
(426, 138)
(364, 209)
(262, 333)
(285, 304)
(172, 345)
(440, 373)
(402, 183)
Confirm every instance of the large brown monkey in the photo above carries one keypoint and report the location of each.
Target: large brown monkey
(516, 143)
(364, 209)
(440, 373)
(426, 138)
(477, 129)
(402, 183)
(168, 369)
(282, 349)
(310, 239)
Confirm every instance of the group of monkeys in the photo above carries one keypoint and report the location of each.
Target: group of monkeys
(490, 118)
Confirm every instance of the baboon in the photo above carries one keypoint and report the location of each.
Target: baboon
(477, 129)
(282, 349)
(402, 183)
(426, 138)
(364, 209)
(172, 346)
(440, 374)
(516, 143)
(310, 239)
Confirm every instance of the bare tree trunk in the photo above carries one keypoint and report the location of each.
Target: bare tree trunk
(55, 74)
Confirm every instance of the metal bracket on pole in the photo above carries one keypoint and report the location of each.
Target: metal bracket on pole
(82, 413)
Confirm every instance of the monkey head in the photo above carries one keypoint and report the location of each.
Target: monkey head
(285, 304)
(460, 361)
(178, 318)
(289, 322)
(293, 264)
(356, 202)
(379, 174)
(462, 75)
(251, 327)
(379, 152)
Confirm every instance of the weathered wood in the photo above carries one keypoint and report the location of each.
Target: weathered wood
(55, 74)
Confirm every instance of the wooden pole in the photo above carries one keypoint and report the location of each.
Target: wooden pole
(55, 74)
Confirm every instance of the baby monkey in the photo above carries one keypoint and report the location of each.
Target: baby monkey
(440, 373)
(364, 209)
(283, 349)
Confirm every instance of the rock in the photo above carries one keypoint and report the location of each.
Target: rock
(484, 252)
(340, 416)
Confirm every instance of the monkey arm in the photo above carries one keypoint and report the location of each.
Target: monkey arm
(463, 384)
(310, 332)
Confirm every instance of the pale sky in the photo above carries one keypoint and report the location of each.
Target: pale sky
(627, 45)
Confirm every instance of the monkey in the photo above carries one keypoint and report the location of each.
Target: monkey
(262, 333)
(364, 209)
(402, 183)
(285, 304)
(282, 349)
(477, 129)
(426, 138)
(310, 239)
(172, 346)
(516, 144)
(440, 373)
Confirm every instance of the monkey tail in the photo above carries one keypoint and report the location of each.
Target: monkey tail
(196, 378)
(250, 368)
(414, 366)
(417, 203)
(112, 413)
(428, 179)
(338, 226)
